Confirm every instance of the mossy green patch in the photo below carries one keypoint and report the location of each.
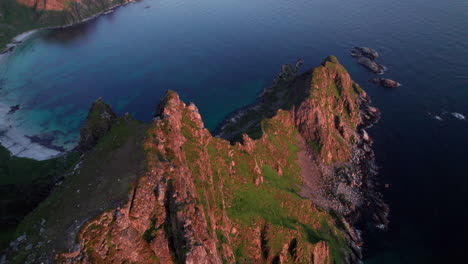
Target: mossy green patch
(101, 182)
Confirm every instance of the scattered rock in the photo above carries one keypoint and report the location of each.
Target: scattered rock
(385, 82)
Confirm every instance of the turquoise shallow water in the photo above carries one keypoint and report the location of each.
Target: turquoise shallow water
(220, 54)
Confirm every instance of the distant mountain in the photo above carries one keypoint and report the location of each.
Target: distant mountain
(18, 16)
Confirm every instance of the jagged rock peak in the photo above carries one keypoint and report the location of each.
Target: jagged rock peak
(99, 121)
(171, 104)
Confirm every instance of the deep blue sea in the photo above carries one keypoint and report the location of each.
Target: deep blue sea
(221, 53)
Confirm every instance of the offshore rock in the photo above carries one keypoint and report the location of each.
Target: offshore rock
(389, 83)
(368, 52)
(371, 65)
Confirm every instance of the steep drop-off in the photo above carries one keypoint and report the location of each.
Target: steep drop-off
(290, 195)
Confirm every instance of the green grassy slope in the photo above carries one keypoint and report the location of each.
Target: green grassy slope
(16, 19)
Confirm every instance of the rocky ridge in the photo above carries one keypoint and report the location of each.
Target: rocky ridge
(331, 113)
(275, 192)
(203, 200)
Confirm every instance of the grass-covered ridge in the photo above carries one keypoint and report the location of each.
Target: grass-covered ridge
(254, 185)
(99, 181)
(324, 101)
(16, 19)
(24, 182)
(205, 198)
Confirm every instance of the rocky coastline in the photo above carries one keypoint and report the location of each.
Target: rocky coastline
(348, 188)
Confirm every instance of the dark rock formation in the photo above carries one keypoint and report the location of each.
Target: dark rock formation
(371, 65)
(366, 57)
(385, 82)
(99, 121)
(368, 52)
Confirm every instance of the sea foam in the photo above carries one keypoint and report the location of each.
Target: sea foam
(458, 116)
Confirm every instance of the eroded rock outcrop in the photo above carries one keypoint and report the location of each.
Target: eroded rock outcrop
(99, 121)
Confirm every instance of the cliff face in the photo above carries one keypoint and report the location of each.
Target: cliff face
(278, 196)
(329, 117)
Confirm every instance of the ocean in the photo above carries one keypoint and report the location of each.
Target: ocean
(221, 54)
